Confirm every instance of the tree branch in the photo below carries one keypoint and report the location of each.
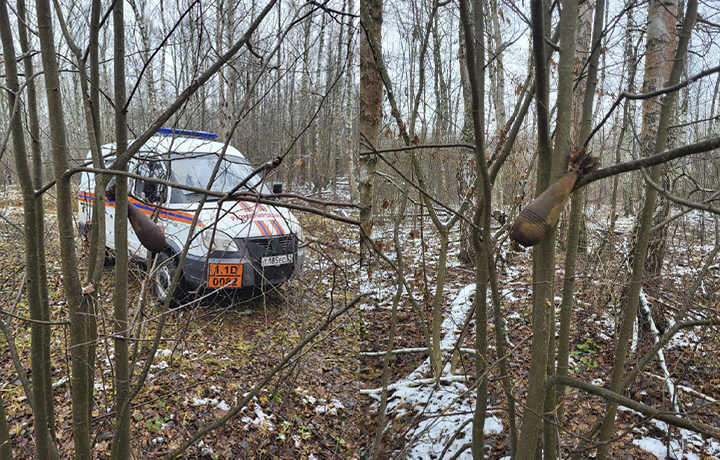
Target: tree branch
(659, 158)
(649, 411)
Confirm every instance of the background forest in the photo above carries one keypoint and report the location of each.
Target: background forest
(414, 140)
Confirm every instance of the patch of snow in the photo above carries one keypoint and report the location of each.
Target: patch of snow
(321, 409)
(60, 381)
(508, 294)
(684, 338)
(222, 405)
(632, 411)
(687, 389)
(713, 448)
(659, 449)
(493, 425)
(261, 420)
(337, 404)
(201, 401)
(307, 398)
(163, 352)
(607, 321)
(160, 366)
(331, 408)
(447, 407)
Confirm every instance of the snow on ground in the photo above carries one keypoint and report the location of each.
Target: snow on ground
(220, 404)
(660, 449)
(446, 410)
(261, 420)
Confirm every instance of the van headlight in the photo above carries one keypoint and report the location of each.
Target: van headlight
(218, 241)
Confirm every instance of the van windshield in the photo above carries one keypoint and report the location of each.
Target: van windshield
(196, 172)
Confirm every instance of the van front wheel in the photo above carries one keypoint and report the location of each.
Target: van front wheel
(162, 274)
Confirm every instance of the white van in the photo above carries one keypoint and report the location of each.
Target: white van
(240, 244)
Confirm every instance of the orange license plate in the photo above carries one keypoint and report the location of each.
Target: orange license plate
(225, 276)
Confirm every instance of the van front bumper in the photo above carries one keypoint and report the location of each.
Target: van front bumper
(253, 275)
(251, 253)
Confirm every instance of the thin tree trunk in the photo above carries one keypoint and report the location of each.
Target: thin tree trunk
(631, 63)
(563, 145)
(583, 50)
(442, 112)
(40, 348)
(370, 105)
(481, 237)
(121, 448)
(315, 158)
(497, 84)
(77, 305)
(37, 166)
(497, 72)
(350, 116)
(465, 176)
(438, 302)
(644, 229)
(5, 446)
(576, 216)
(149, 71)
(550, 166)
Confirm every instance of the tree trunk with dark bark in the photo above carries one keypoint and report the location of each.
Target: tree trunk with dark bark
(660, 20)
(370, 110)
(40, 344)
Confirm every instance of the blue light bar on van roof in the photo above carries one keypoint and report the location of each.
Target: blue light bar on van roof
(187, 133)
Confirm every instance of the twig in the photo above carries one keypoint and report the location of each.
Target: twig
(416, 350)
(644, 409)
(416, 383)
(676, 199)
(658, 158)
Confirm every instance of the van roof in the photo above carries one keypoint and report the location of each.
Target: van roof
(167, 143)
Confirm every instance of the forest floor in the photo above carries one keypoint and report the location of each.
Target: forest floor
(319, 407)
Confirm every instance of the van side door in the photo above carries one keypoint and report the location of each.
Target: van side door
(145, 195)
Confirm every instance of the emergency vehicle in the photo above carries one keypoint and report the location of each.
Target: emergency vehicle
(236, 244)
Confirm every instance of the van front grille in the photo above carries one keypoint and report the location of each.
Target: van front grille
(273, 246)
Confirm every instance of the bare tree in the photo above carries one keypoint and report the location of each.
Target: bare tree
(661, 23)
(370, 104)
(550, 165)
(40, 351)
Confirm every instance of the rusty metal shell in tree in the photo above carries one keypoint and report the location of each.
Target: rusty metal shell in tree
(535, 221)
(148, 232)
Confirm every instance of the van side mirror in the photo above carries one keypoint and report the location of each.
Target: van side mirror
(277, 188)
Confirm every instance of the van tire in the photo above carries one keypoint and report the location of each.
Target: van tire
(162, 275)
(109, 259)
